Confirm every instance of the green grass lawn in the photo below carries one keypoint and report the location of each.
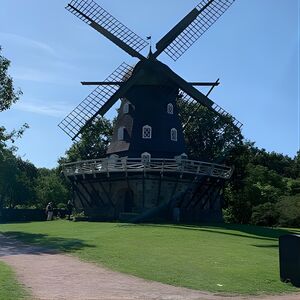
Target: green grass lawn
(226, 258)
(10, 289)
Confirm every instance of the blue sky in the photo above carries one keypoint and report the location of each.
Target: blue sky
(253, 49)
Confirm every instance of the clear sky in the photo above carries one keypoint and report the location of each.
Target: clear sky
(253, 49)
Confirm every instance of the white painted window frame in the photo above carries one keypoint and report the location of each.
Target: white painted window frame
(174, 136)
(146, 158)
(126, 108)
(170, 109)
(121, 133)
(147, 132)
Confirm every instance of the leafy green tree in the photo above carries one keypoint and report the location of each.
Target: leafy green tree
(296, 165)
(289, 211)
(281, 164)
(11, 137)
(263, 185)
(293, 186)
(8, 94)
(209, 137)
(252, 184)
(265, 214)
(17, 181)
(92, 144)
(15, 185)
(49, 187)
(238, 207)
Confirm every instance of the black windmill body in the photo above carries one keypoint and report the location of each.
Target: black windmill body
(148, 120)
(147, 151)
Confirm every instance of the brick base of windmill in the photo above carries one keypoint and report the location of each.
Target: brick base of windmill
(145, 189)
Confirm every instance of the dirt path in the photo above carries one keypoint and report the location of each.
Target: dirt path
(53, 276)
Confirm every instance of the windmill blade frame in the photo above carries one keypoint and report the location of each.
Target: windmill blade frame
(183, 35)
(214, 108)
(192, 94)
(98, 18)
(88, 109)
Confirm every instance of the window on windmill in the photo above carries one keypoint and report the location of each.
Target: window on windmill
(147, 132)
(121, 133)
(174, 134)
(170, 109)
(126, 108)
(146, 157)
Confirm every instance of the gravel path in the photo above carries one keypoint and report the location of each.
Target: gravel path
(53, 276)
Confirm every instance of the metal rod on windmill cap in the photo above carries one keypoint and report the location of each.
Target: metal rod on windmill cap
(211, 89)
(212, 84)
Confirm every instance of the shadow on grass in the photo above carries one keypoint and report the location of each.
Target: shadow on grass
(15, 242)
(244, 231)
(266, 246)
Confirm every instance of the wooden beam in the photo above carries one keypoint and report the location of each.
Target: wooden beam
(212, 84)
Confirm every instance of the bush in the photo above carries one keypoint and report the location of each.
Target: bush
(21, 215)
(265, 214)
(61, 206)
(288, 208)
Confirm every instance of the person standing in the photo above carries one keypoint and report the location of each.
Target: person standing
(49, 211)
(69, 209)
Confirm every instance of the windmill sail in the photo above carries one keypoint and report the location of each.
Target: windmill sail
(94, 15)
(196, 104)
(190, 94)
(90, 106)
(190, 28)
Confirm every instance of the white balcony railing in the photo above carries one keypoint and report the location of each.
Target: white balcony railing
(126, 165)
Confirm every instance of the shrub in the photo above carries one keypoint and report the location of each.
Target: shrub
(289, 211)
(21, 215)
(265, 214)
(61, 206)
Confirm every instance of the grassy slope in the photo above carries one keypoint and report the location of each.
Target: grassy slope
(231, 258)
(9, 288)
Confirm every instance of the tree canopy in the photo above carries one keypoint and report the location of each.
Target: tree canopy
(209, 137)
(8, 93)
(92, 144)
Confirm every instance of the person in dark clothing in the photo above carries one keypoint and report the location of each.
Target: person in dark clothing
(69, 209)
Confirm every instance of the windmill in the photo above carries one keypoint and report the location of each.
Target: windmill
(146, 165)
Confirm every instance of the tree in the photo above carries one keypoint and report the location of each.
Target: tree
(16, 181)
(49, 187)
(209, 137)
(15, 185)
(296, 165)
(289, 211)
(265, 215)
(255, 182)
(281, 164)
(11, 137)
(263, 185)
(8, 94)
(92, 144)
(293, 186)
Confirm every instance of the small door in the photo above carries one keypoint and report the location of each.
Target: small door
(128, 201)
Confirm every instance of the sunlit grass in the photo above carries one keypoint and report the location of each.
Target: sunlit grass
(10, 289)
(227, 259)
